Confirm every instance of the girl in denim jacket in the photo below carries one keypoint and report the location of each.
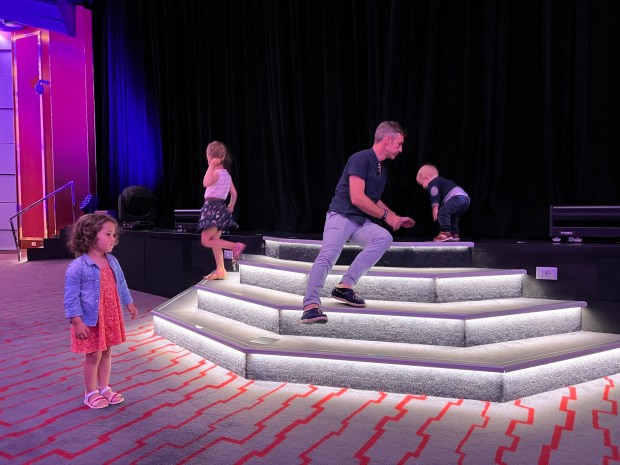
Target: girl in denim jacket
(95, 290)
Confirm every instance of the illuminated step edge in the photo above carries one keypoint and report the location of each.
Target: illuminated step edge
(412, 254)
(394, 284)
(497, 372)
(472, 323)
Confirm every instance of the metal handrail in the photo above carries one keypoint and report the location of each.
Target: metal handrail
(24, 210)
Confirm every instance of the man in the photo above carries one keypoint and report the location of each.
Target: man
(355, 204)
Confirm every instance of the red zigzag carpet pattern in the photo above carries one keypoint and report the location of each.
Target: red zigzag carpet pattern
(182, 409)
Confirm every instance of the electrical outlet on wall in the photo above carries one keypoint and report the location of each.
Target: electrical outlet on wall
(547, 272)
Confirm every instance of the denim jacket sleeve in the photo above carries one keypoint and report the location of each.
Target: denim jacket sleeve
(72, 290)
(82, 287)
(81, 297)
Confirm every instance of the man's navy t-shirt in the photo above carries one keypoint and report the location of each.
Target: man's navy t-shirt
(364, 165)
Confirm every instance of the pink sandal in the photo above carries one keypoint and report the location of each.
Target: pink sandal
(112, 397)
(215, 276)
(95, 400)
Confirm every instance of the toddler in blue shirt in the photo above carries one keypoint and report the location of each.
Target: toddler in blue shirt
(448, 200)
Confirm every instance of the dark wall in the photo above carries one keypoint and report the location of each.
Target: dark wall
(518, 101)
(168, 262)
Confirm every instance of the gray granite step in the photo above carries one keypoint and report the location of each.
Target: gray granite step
(451, 331)
(458, 324)
(389, 283)
(409, 254)
(493, 372)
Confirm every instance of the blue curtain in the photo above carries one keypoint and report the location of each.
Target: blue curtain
(129, 138)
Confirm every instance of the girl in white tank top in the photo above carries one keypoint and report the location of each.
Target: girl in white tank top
(216, 215)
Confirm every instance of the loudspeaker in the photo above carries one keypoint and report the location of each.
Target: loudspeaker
(577, 221)
(186, 220)
(137, 208)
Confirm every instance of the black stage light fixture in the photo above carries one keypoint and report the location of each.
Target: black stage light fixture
(89, 204)
(137, 208)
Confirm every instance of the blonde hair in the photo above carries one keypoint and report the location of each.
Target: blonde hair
(426, 172)
(84, 232)
(217, 149)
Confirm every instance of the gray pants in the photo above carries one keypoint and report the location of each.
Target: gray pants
(373, 239)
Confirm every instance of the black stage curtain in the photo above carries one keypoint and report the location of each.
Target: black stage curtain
(518, 101)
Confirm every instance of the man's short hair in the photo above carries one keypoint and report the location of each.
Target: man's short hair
(388, 128)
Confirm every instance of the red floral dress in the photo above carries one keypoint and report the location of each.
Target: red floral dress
(109, 330)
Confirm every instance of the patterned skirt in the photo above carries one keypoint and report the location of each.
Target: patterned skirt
(215, 213)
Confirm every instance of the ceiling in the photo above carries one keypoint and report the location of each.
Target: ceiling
(54, 15)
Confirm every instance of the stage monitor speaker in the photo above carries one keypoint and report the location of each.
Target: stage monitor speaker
(137, 208)
(186, 220)
(577, 221)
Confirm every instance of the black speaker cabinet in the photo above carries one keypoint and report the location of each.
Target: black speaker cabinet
(578, 221)
(186, 220)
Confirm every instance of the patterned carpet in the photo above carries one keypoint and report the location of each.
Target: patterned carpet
(182, 409)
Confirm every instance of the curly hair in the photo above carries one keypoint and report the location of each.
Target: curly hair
(84, 232)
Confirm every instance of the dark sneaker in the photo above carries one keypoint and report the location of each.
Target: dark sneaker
(455, 238)
(442, 237)
(314, 315)
(348, 296)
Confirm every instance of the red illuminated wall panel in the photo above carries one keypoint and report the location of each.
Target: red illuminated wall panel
(55, 129)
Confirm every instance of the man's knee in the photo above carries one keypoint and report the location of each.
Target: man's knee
(383, 239)
(328, 254)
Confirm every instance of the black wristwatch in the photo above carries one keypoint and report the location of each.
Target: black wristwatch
(385, 214)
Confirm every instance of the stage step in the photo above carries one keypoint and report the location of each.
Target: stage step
(400, 254)
(52, 248)
(453, 324)
(389, 283)
(494, 372)
(446, 331)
